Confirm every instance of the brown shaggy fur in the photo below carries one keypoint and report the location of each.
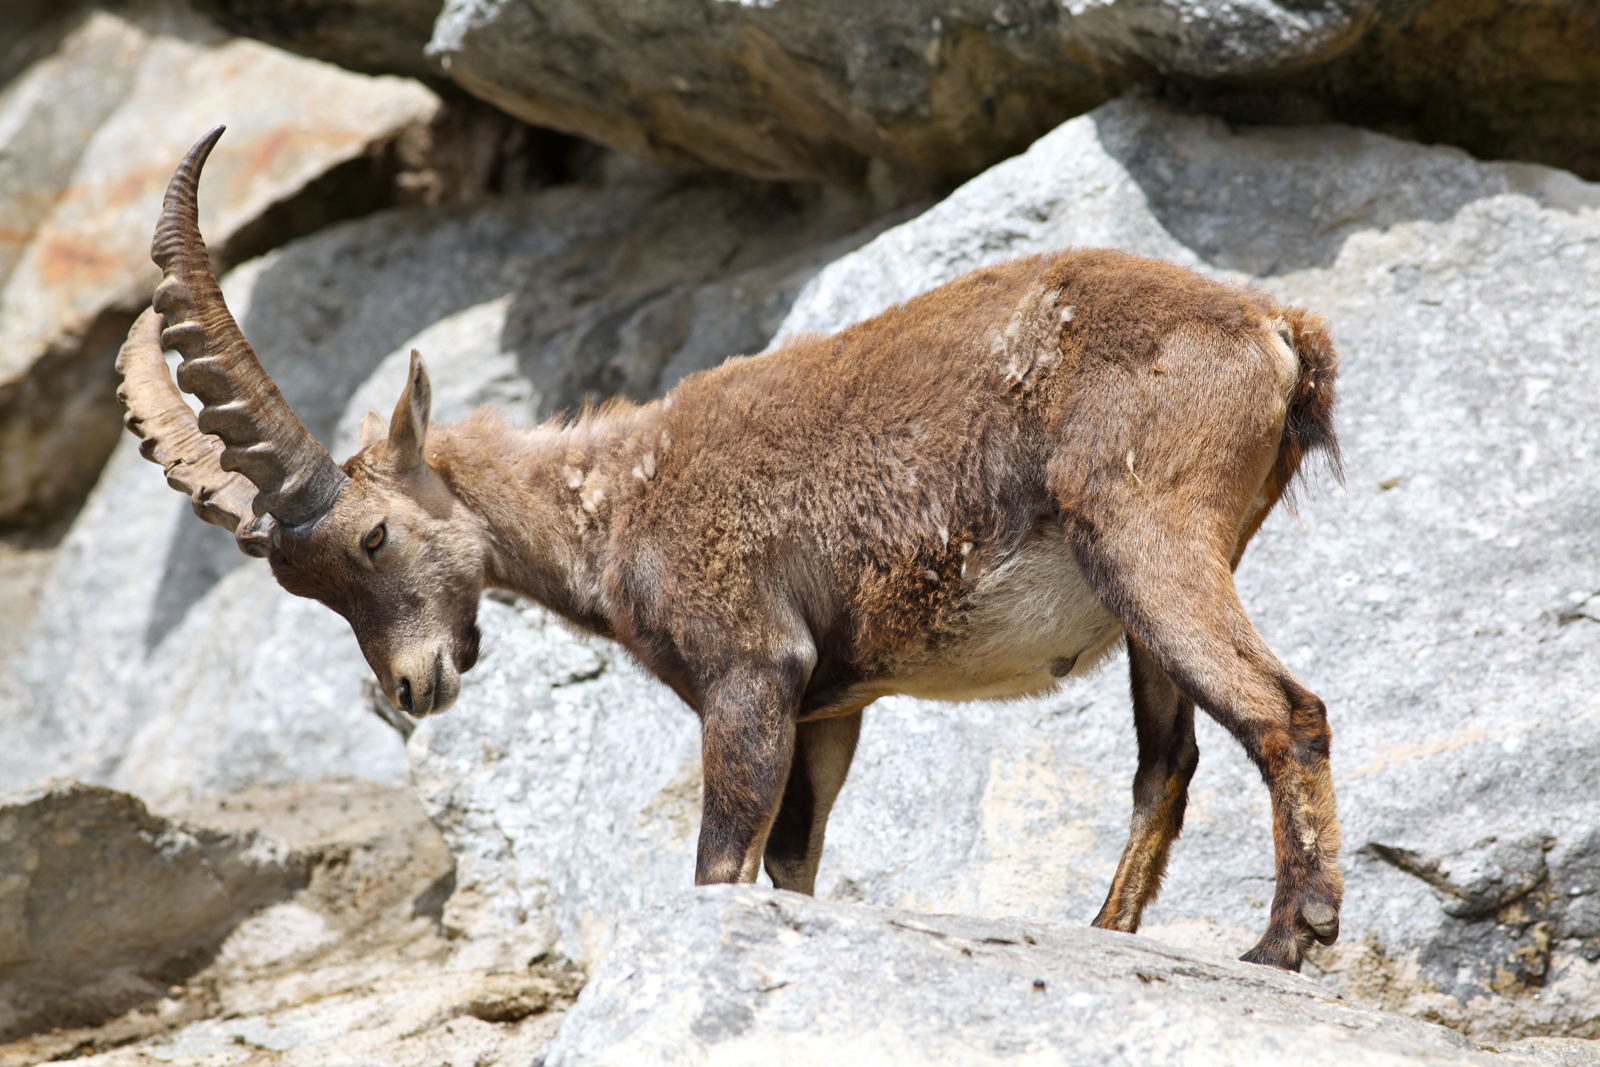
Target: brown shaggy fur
(973, 494)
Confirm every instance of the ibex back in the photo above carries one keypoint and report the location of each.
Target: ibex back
(974, 494)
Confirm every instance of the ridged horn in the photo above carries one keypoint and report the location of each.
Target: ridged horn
(262, 437)
(171, 436)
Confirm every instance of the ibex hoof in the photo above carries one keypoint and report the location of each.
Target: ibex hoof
(1323, 920)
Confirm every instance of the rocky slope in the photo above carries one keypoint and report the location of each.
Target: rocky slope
(742, 975)
(1439, 603)
(1443, 602)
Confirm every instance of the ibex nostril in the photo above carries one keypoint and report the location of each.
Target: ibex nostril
(403, 694)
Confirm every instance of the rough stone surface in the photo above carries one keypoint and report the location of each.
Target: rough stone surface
(83, 163)
(103, 905)
(194, 674)
(1447, 618)
(926, 89)
(908, 96)
(1443, 604)
(354, 968)
(746, 975)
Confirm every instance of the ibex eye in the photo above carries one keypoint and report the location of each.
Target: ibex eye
(373, 539)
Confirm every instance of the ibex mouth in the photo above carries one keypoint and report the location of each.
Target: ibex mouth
(467, 651)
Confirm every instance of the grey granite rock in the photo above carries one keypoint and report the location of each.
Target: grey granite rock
(1443, 604)
(103, 905)
(909, 95)
(1223, 40)
(746, 975)
(352, 968)
(915, 92)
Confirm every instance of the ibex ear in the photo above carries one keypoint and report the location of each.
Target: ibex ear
(373, 430)
(408, 429)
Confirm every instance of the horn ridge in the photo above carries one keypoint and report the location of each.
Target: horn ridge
(262, 437)
(171, 436)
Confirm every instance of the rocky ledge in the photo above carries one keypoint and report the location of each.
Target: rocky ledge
(741, 974)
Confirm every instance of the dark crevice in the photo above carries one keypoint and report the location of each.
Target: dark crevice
(1500, 80)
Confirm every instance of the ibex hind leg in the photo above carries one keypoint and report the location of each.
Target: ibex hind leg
(1163, 718)
(822, 753)
(1167, 577)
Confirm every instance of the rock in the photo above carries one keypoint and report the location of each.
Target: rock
(33, 28)
(103, 905)
(179, 683)
(911, 97)
(354, 966)
(922, 91)
(1446, 617)
(371, 36)
(1224, 40)
(1555, 1051)
(739, 974)
(83, 163)
(1427, 612)
(1502, 80)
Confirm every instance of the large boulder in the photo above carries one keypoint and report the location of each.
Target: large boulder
(83, 163)
(194, 674)
(910, 96)
(104, 905)
(738, 974)
(1442, 603)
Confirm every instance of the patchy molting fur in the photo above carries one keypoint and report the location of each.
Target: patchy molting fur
(971, 495)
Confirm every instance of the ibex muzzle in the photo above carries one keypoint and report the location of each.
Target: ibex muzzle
(975, 494)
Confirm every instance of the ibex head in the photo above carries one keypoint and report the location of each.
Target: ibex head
(381, 540)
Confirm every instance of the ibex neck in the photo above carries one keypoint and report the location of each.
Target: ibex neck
(544, 497)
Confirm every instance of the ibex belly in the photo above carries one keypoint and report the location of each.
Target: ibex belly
(1032, 621)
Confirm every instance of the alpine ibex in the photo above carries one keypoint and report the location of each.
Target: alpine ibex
(972, 495)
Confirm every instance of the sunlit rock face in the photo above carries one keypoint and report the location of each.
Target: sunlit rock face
(733, 974)
(1441, 602)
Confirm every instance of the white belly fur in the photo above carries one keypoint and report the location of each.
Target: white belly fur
(1032, 615)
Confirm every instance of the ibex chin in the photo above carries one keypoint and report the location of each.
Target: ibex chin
(973, 495)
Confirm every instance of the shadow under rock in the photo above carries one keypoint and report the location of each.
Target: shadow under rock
(706, 271)
(1272, 200)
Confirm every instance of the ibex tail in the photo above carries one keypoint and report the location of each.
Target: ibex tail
(1309, 424)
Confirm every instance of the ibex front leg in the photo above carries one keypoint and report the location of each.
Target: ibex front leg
(746, 745)
(1166, 575)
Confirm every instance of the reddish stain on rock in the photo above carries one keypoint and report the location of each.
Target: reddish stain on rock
(68, 257)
